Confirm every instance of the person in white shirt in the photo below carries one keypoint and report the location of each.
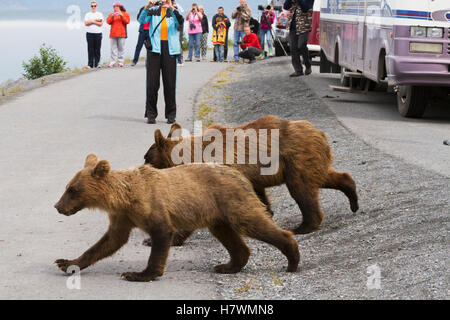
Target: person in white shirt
(94, 21)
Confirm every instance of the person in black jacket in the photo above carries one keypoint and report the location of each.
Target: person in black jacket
(143, 35)
(205, 32)
(300, 22)
(227, 23)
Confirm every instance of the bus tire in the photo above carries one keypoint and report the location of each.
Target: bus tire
(412, 101)
(278, 49)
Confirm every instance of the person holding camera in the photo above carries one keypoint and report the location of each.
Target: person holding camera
(162, 51)
(267, 19)
(118, 20)
(94, 21)
(195, 31)
(300, 22)
(242, 16)
(250, 46)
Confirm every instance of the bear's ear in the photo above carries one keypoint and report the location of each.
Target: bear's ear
(91, 161)
(101, 169)
(160, 141)
(175, 131)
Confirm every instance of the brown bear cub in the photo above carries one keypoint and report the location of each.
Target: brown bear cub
(305, 161)
(165, 202)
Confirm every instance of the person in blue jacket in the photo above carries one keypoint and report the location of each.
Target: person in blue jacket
(163, 30)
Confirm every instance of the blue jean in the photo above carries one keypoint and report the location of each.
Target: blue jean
(142, 36)
(265, 34)
(219, 50)
(238, 35)
(194, 37)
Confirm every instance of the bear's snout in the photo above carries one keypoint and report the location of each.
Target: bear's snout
(58, 208)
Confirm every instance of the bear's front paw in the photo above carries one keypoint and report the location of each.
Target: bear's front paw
(64, 264)
(138, 276)
(227, 268)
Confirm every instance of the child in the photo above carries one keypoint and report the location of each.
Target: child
(218, 38)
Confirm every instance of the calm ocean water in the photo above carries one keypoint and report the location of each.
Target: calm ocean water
(24, 31)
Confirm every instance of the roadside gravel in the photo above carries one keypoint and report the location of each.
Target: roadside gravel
(402, 227)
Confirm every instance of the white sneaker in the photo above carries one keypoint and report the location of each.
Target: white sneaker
(181, 65)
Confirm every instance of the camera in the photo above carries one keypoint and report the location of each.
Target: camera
(158, 3)
(239, 9)
(268, 7)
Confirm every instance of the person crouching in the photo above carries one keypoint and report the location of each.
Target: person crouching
(250, 46)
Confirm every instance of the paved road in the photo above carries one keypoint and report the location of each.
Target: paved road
(45, 137)
(375, 119)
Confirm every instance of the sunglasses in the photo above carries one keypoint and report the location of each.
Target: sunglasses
(94, 6)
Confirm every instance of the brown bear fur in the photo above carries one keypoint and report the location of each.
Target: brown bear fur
(304, 165)
(164, 202)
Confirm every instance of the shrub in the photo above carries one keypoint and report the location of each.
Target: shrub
(46, 63)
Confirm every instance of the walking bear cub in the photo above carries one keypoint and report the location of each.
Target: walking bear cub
(305, 161)
(165, 202)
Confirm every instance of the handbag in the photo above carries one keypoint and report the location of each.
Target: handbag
(148, 42)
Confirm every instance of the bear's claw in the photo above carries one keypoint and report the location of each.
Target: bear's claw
(137, 277)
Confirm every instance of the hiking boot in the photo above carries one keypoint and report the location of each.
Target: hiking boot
(171, 121)
(151, 121)
(296, 74)
(308, 71)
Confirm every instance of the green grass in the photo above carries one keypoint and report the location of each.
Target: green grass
(203, 111)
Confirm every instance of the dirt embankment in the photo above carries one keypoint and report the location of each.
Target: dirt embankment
(401, 230)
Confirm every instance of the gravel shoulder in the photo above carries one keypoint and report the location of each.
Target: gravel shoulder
(402, 227)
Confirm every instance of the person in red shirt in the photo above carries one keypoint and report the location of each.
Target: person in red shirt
(118, 20)
(250, 46)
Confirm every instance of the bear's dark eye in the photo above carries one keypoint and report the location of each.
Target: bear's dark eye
(71, 191)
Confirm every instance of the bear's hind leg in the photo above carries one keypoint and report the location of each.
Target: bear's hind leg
(266, 230)
(345, 183)
(307, 198)
(236, 247)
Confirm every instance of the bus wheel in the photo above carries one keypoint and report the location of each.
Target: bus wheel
(412, 101)
(279, 50)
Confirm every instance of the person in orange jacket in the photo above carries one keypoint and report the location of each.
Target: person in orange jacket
(119, 19)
